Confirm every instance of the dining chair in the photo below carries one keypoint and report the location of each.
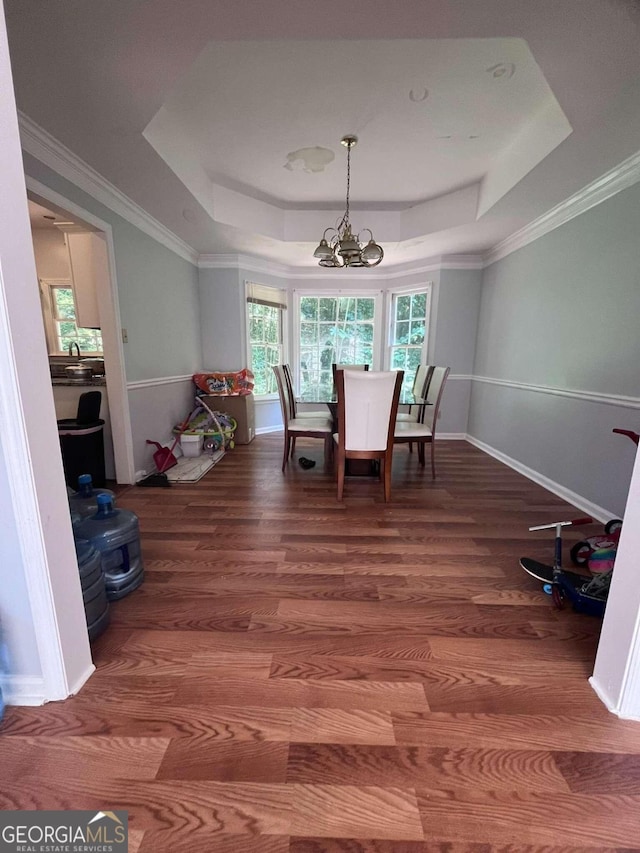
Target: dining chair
(335, 367)
(315, 413)
(419, 390)
(367, 408)
(320, 427)
(423, 431)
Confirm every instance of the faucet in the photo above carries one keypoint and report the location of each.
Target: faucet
(71, 346)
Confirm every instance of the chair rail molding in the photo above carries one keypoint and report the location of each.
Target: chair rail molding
(619, 178)
(573, 393)
(158, 380)
(46, 148)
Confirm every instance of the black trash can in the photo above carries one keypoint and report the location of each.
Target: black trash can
(82, 446)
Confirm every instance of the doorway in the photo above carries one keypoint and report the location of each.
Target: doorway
(64, 221)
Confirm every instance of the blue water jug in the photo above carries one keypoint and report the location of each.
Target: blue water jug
(84, 501)
(94, 591)
(115, 533)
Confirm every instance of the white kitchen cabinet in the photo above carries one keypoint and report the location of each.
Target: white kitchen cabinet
(89, 272)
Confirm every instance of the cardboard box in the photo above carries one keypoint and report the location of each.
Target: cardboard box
(242, 409)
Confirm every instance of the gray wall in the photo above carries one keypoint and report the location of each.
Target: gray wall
(154, 410)
(222, 319)
(158, 294)
(561, 314)
(159, 308)
(455, 320)
(157, 289)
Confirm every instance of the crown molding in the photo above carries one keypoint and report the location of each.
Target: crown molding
(249, 263)
(462, 262)
(48, 150)
(619, 178)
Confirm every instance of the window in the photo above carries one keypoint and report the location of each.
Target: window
(338, 329)
(61, 325)
(265, 324)
(408, 333)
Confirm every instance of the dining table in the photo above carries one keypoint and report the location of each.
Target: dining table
(318, 397)
(355, 467)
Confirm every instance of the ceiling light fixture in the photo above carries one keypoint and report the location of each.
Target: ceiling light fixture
(344, 249)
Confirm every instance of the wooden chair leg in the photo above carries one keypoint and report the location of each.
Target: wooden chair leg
(410, 447)
(293, 445)
(285, 457)
(328, 452)
(421, 453)
(340, 476)
(387, 478)
(433, 459)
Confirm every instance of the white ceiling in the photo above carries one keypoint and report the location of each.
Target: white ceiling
(473, 118)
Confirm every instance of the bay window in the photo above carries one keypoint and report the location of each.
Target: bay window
(409, 324)
(266, 334)
(336, 328)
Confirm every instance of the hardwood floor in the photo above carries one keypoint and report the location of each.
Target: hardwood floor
(298, 675)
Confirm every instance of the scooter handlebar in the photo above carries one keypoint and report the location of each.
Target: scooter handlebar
(634, 436)
(573, 523)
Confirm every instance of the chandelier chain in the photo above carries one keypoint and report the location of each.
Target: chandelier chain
(346, 215)
(344, 249)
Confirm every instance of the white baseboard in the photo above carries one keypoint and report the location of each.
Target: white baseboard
(267, 430)
(23, 690)
(608, 702)
(81, 680)
(451, 436)
(30, 690)
(597, 512)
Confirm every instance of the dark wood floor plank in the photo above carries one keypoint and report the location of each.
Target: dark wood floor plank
(206, 758)
(518, 818)
(337, 725)
(355, 811)
(602, 773)
(368, 845)
(438, 767)
(580, 731)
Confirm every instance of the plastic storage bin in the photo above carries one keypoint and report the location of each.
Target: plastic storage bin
(94, 591)
(85, 500)
(191, 445)
(115, 533)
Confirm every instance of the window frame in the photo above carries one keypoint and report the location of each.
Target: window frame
(283, 327)
(47, 286)
(378, 321)
(409, 290)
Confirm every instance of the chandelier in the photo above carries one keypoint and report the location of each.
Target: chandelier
(344, 249)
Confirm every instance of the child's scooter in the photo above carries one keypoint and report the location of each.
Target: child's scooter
(587, 595)
(597, 554)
